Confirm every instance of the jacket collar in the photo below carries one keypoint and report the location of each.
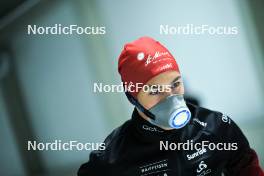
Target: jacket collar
(148, 132)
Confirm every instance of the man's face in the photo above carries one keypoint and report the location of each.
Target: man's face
(162, 85)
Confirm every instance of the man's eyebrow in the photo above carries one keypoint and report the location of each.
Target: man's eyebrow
(156, 85)
(176, 79)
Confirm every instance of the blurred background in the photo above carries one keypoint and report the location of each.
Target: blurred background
(46, 81)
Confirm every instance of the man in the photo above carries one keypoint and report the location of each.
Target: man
(155, 140)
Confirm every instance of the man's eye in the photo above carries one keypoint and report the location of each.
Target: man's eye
(156, 92)
(176, 84)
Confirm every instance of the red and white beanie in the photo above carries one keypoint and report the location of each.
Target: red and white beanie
(143, 59)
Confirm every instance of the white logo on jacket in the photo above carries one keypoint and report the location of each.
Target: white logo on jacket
(199, 152)
(226, 119)
(154, 167)
(152, 129)
(202, 169)
(204, 124)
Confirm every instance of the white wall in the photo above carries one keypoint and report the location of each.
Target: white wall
(10, 157)
(56, 83)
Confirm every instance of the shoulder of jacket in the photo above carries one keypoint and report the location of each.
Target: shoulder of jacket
(117, 133)
(210, 120)
(113, 144)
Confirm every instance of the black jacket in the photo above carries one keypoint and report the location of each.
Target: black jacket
(137, 148)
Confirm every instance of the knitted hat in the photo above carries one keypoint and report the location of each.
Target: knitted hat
(143, 59)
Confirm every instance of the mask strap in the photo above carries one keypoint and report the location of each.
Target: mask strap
(139, 106)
